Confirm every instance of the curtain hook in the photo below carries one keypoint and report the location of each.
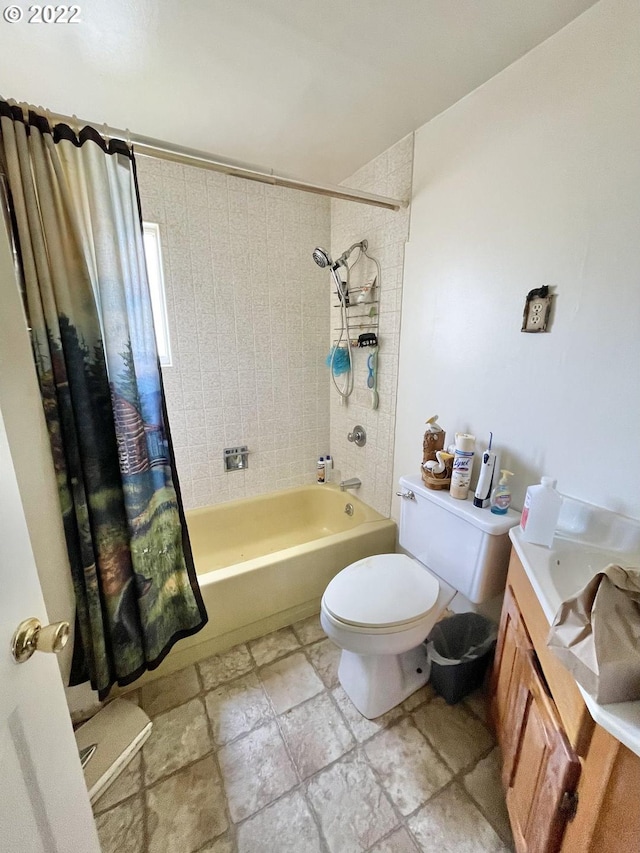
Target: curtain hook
(105, 132)
(128, 137)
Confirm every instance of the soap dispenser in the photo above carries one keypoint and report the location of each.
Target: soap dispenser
(501, 495)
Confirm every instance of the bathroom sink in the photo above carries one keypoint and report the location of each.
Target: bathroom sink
(559, 572)
(572, 566)
(591, 539)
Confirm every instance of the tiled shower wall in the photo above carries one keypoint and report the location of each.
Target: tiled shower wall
(249, 321)
(387, 232)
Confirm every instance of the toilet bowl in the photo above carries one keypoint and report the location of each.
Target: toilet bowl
(380, 610)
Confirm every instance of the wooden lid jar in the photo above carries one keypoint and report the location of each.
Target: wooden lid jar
(433, 442)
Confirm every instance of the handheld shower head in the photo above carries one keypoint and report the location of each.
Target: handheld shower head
(322, 257)
(324, 260)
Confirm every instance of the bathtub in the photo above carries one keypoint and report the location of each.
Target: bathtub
(265, 562)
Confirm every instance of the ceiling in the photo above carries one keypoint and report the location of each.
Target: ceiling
(309, 88)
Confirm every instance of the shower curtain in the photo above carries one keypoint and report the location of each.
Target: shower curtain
(77, 229)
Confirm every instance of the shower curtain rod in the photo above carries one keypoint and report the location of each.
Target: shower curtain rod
(151, 147)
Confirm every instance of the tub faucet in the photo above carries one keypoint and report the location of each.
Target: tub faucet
(353, 483)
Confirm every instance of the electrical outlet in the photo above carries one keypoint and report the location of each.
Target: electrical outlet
(536, 310)
(536, 314)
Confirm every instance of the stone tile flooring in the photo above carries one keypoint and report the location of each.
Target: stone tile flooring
(259, 750)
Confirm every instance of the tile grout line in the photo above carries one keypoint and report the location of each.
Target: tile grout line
(302, 784)
(215, 748)
(230, 830)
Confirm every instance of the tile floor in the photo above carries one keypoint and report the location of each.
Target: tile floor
(259, 749)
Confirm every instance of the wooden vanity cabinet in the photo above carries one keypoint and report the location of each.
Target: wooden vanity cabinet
(540, 769)
(570, 785)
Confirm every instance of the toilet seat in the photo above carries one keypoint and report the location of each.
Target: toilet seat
(384, 593)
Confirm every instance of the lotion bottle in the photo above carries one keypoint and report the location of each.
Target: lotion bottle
(501, 495)
(541, 512)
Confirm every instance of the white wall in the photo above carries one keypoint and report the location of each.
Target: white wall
(533, 179)
(387, 232)
(249, 318)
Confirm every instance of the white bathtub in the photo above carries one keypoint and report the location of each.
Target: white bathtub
(265, 562)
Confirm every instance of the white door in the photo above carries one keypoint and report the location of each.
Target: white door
(44, 805)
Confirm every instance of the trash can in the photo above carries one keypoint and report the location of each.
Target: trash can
(460, 649)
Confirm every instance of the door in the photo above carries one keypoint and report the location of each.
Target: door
(44, 804)
(541, 769)
(506, 669)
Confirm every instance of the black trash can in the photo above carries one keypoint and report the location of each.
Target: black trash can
(460, 649)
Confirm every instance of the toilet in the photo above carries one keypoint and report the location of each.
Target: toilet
(380, 610)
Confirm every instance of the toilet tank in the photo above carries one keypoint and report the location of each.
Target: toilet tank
(465, 546)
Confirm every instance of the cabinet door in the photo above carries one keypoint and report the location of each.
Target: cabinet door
(540, 768)
(512, 636)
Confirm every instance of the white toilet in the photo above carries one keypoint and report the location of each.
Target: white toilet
(380, 609)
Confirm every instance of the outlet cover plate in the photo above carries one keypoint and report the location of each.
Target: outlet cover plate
(536, 310)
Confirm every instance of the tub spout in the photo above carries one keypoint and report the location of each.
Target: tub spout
(353, 483)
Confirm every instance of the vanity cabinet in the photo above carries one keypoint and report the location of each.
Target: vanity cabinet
(540, 768)
(570, 785)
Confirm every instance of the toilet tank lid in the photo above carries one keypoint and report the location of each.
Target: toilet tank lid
(484, 519)
(381, 591)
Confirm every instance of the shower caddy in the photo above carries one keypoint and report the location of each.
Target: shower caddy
(364, 317)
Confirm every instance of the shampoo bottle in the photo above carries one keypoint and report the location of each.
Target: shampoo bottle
(501, 495)
(320, 470)
(540, 512)
(328, 466)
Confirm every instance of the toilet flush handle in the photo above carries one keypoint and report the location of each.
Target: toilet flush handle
(408, 495)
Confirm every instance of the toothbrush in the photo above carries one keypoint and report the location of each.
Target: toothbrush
(487, 473)
(372, 378)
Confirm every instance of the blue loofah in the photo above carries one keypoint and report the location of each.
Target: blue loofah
(340, 360)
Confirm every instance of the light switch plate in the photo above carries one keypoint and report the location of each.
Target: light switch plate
(536, 310)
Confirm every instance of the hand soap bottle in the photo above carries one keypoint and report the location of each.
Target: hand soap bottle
(501, 495)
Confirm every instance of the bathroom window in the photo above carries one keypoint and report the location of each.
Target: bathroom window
(153, 254)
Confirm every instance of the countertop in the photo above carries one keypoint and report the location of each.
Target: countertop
(622, 719)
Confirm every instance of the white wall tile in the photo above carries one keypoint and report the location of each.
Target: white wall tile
(247, 344)
(250, 320)
(387, 233)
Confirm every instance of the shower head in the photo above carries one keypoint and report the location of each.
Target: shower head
(322, 257)
(324, 260)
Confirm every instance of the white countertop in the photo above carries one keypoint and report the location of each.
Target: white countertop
(555, 574)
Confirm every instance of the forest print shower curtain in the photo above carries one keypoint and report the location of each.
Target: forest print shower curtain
(78, 232)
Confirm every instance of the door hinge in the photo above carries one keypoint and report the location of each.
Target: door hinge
(569, 805)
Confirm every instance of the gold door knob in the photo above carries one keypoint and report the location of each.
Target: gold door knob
(31, 636)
